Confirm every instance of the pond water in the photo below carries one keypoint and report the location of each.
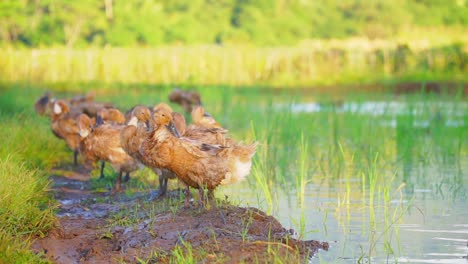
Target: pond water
(411, 208)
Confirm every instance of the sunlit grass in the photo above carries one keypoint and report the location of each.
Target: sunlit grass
(14, 249)
(313, 63)
(27, 150)
(24, 209)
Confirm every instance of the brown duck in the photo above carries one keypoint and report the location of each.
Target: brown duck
(187, 99)
(197, 164)
(64, 126)
(103, 143)
(132, 137)
(111, 116)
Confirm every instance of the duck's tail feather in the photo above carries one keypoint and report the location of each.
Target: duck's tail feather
(240, 164)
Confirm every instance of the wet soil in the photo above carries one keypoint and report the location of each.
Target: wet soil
(100, 227)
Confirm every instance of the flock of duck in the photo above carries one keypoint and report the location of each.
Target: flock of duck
(201, 155)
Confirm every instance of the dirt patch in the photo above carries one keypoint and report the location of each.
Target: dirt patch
(103, 228)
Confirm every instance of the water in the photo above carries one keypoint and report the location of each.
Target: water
(419, 216)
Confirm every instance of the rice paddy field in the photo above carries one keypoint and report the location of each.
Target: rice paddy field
(381, 177)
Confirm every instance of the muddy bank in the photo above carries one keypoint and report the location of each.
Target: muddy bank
(98, 227)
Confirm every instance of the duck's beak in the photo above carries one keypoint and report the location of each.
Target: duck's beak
(207, 114)
(173, 129)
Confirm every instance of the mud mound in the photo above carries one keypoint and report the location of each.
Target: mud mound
(103, 228)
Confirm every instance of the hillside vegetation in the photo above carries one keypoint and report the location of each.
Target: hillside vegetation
(45, 23)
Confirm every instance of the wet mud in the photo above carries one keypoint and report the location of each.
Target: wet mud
(101, 227)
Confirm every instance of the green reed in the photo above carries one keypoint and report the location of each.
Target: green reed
(301, 179)
(322, 62)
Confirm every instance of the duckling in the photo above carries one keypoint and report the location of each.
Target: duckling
(187, 99)
(197, 164)
(64, 126)
(103, 143)
(132, 137)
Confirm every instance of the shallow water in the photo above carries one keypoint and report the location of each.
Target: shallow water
(423, 218)
(433, 229)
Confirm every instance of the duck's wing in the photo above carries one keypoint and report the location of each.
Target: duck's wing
(192, 146)
(212, 149)
(217, 130)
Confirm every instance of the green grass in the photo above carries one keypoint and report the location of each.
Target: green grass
(27, 150)
(25, 211)
(315, 63)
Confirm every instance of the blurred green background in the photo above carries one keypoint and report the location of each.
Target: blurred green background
(45, 23)
(279, 43)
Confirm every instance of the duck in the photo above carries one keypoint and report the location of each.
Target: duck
(80, 103)
(197, 164)
(103, 143)
(132, 137)
(110, 116)
(84, 98)
(187, 99)
(205, 128)
(63, 113)
(64, 125)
